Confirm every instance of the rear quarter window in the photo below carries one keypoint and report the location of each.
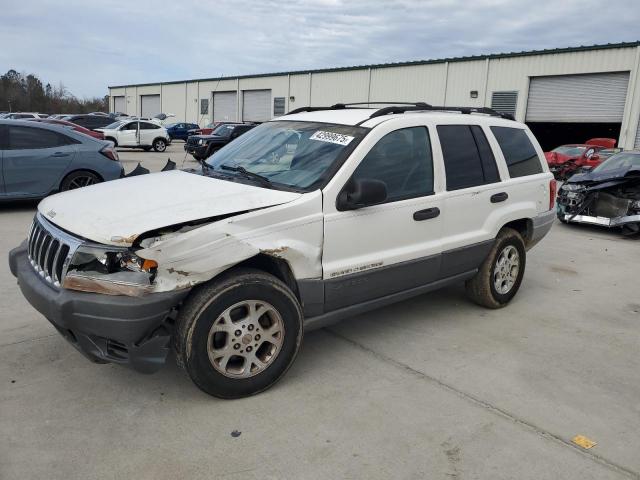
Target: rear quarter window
(518, 151)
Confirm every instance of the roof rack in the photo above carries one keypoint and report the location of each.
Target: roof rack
(402, 107)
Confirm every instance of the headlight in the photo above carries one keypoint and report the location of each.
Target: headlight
(200, 142)
(109, 270)
(572, 187)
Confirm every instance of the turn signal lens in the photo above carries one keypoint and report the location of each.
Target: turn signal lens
(148, 265)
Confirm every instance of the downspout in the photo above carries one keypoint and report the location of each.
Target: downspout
(446, 82)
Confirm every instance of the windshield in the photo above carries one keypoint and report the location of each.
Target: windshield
(223, 130)
(619, 160)
(570, 150)
(294, 154)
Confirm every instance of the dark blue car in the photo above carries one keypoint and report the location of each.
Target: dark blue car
(178, 131)
(38, 159)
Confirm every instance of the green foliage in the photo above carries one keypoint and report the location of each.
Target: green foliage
(25, 93)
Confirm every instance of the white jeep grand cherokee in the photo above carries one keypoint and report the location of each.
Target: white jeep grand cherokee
(319, 215)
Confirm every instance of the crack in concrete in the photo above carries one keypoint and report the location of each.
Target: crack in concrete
(28, 340)
(487, 406)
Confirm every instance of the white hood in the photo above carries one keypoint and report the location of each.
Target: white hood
(117, 212)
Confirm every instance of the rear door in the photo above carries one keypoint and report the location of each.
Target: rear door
(474, 192)
(35, 160)
(148, 132)
(383, 249)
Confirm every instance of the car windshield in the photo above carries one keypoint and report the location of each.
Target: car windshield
(293, 154)
(223, 130)
(113, 126)
(570, 150)
(619, 160)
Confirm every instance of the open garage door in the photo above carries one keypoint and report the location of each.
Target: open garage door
(225, 106)
(119, 104)
(150, 106)
(573, 108)
(256, 105)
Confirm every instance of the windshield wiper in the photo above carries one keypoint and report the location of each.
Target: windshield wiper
(253, 176)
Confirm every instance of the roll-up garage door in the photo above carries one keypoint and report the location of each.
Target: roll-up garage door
(225, 107)
(150, 105)
(256, 105)
(119, 104)
(637, 142)
(591, 98)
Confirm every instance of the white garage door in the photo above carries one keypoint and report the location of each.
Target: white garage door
(592, 98)
(225, 107)
(149, 105)
(637, 143)
(256, 105)
(119, 104)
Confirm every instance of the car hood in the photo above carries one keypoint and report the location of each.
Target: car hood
(117, 212)
(209, 137)
(557, 158)
(605, 176)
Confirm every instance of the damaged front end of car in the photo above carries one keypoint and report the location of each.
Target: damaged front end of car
(596, 198)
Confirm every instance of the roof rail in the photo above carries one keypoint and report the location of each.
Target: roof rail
(426, 107)
(342, 106)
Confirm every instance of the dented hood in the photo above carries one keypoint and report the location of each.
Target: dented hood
(117, 212)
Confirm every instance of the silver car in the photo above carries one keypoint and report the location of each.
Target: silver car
(39, 159)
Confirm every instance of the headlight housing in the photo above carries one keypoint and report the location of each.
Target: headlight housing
(572, 187)
(200, 142)
(109, 270)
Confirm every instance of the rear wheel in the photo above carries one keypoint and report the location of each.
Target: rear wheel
(500, 275)
(79, 179)
(237, 336)
(159, 145)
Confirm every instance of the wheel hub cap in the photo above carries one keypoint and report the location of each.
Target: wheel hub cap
(506, 269)
(245, 339)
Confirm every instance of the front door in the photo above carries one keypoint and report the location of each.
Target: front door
(394, 246)
(128, 135)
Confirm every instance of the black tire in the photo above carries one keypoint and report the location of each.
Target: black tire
(78, 179)
(211, 151)
(561, 217)
(115, 143)
(204, 308)
(482, 287)
(159, 145)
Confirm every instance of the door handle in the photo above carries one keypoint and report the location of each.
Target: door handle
(499, 197)
(60, 154)
(426, 214)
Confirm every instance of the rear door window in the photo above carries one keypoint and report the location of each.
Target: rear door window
(25, 138)
(518, 151)
(402, 160)
(468, 159)
(148, 126)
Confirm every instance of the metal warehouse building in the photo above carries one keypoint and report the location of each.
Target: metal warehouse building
(565, 95)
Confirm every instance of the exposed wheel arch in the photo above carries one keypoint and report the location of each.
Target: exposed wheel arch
(111, 139)
(275, 266)
(524, 226)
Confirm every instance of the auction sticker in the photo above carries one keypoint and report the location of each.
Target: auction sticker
(331, 137)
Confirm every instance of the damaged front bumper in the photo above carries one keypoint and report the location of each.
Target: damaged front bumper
(601, 221)
(132, 331)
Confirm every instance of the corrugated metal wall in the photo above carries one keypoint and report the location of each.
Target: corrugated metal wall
(450, 83)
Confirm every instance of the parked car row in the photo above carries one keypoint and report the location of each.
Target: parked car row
(566, 160)
(203, 146)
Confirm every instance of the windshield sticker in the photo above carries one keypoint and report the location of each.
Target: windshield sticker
(331, 137)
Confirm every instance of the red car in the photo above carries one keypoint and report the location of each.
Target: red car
(77, 128)
(209, 128)
(565, 160)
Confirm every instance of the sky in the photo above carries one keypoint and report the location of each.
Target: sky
(89, 45)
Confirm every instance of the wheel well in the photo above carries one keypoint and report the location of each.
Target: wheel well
(79, 170)
(159, 138)
(115, 142)
(524, 226)
(277, 267)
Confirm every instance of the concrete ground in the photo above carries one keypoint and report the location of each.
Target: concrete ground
(434, 388)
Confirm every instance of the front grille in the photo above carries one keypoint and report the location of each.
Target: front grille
(49, 250)
(192, 141)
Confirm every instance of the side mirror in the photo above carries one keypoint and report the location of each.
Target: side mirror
(361, 193)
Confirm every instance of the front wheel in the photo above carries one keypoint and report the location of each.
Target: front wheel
(159, 145)
(500, 275)
(238, 335)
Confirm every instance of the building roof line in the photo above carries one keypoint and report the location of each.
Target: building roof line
(492, 56)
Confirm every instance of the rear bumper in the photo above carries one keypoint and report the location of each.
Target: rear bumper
(132, 331)
(541, 226)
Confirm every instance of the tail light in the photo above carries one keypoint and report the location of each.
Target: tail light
(110, 153)
(553, 190)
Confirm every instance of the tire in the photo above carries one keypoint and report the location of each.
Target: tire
(159, 144)
(79, 179)
(218, 351)
(115, 143)
(561, 217)
(482, 287)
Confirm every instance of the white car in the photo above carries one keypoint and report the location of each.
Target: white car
(23, 116)
(137, 134)
(303, 221)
